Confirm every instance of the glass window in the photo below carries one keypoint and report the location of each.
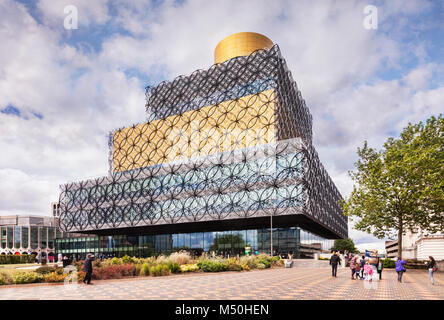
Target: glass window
(209, 241)
(43, 237)
(17, 237)
(10, 237)
(51, 238)
(3, 237)
(25, 239)
(197, 240)
(34, 237)
(175, 241)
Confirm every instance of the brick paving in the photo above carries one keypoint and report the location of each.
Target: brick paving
(279, 283)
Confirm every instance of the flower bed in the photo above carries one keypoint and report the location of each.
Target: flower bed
(117, 268)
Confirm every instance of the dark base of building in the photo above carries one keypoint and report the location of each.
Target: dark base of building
(286, 240)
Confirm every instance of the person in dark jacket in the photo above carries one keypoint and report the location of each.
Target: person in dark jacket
(88, 268)
(379, 267)
(334, 261)
(431, 265)
(362, 266)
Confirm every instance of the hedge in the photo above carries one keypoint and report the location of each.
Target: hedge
(16, 259)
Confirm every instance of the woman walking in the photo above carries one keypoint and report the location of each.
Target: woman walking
(353, 266)
(432, 266)
(400, 269)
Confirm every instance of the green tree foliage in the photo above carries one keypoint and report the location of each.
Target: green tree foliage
(401, 187)
(344, 244)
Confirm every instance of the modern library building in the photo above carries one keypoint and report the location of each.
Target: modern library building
(224, 163)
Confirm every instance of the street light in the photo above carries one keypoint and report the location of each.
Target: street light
(271, 233)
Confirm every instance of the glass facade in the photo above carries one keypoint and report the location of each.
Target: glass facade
(17, 236)
(25, 237)
(43, 237)
(3, 237)
(10, 237)
(51, 238)
(34, 237)
(233, 242)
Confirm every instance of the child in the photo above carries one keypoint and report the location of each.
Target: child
(357, 271)
(368, 271)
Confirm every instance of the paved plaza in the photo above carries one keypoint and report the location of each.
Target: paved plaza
(280, 283)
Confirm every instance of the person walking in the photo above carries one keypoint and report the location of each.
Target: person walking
(368, 271)
(379, 267)
(334, 261)
(362, 266)
(353, 266)
(400, 268)
(433, 267)
(88, 268)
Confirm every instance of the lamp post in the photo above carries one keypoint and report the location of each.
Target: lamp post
(271, 233)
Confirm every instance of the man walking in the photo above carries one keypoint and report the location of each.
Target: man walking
(88, 268)
(334, 261)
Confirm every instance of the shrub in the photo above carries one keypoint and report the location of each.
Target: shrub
(137, 269)
(260, 266)
(5, 278)
(145, 270)
(159, 270)
(173, 267)
(275, 259)
(234, 266)
(55, 277)
(43, 261)
(162, 260)
(114, 272)
(250, 261)
(15, 259)
(388, 263)
(59, 270)
(26, 277)
(189, 267)
(263, 256)
(44, 270)
(211, 266)
(264, 262)
(245, 267)
(81, 275)
(180, 258)
(127, 259)
(115, 261)
(97, 263)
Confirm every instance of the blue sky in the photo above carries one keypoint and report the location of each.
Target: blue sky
(62, 91)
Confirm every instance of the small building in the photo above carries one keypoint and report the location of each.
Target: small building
(418, 245)
(29, 234)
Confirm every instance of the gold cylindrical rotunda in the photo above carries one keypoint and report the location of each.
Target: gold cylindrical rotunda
(240, 44)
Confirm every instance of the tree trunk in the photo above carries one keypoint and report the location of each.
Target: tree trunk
(400, 240)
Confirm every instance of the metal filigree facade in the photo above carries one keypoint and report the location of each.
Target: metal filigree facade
(231, 142)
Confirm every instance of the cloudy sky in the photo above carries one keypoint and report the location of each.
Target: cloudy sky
(62, 91)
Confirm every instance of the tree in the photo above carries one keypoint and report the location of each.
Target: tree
(344, 244)
(401, 187)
